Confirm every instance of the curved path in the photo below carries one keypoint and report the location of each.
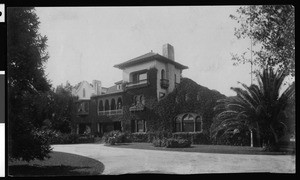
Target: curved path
(124, 160)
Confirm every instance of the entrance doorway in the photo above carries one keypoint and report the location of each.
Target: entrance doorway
(117, 126)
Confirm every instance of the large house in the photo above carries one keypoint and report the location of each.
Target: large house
(126, 105)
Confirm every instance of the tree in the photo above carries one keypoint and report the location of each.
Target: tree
(272, 30)
(62, 108)
(259, 107)
(27, 85)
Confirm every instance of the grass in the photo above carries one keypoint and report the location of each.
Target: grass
(59, 164)
(224, 149)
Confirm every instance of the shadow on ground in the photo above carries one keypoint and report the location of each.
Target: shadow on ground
(59, 164)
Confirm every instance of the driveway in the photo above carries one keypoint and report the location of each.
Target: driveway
(123, 160)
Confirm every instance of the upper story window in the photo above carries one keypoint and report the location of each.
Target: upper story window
(175, 78)
(139, 77)
(198, 96)
(83, 107)
(83, 92)
(139, 99)
(163, 74)
(100, 105)
(186, 97)
(118, 86)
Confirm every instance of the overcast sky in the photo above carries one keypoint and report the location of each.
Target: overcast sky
(85, 42)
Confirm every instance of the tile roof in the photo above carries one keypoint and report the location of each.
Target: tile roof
(148, 57)
(113, 89)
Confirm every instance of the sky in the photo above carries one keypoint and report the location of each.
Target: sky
(84, 43)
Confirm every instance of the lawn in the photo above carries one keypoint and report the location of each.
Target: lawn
(59, 164)
(225, 149)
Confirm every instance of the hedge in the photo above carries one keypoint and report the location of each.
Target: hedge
(61, 138)
(194, 137)
(116, 136)
(178, 143)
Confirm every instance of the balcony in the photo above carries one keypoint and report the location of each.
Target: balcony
(111, 112)
(164, 83)
(82, 113)
(137, 107)
(140, 83)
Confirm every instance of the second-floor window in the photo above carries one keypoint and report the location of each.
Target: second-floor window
(83, 93)
(83, 107)
(139, 77)
(139, 99)
(163, 75)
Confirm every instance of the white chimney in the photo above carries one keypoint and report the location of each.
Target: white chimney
(97, 87)
(168, 51)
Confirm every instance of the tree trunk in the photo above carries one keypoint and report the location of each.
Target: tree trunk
(258, 135)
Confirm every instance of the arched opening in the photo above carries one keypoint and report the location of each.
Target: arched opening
(100, 105)
(119, 102)
(142, 99)
(198, 123)
(113, 104)
(188, 123)
(106, 106)
(163, 76)
(178, 124)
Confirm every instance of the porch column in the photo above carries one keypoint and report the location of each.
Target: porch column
(251, 136)
(77, 129)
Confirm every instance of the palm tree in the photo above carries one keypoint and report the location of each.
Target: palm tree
(259, 107)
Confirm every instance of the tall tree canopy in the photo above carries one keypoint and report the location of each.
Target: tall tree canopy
(27, 85)
(260, 107)
(272, 30)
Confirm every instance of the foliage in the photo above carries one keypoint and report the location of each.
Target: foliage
(27, 85)
(259, 107)
(150, 94)
(114, 137)
(272, 29)
(176, 103)
(159, 142)
(234, 138)
(63, 138)
(62, 108)
(178, 143)
(193, 137)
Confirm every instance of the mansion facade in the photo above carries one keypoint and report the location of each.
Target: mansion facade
(127, 105)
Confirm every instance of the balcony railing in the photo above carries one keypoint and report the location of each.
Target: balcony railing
(164, 83)
(137, 83)
(82, 113)
(111, 112)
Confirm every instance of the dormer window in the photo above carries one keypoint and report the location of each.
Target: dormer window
(119, 87)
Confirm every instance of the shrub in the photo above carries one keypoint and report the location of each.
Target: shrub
(177, 143)
(61, 138)
(114, 137)
(159, 142)
(139, 137)
(193, 137)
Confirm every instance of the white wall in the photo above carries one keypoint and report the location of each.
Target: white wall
(127, 71)
(170, 70)
(88, 91)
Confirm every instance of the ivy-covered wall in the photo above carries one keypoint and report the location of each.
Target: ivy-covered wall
(188, 97)
(184, 100)
(150, 95)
